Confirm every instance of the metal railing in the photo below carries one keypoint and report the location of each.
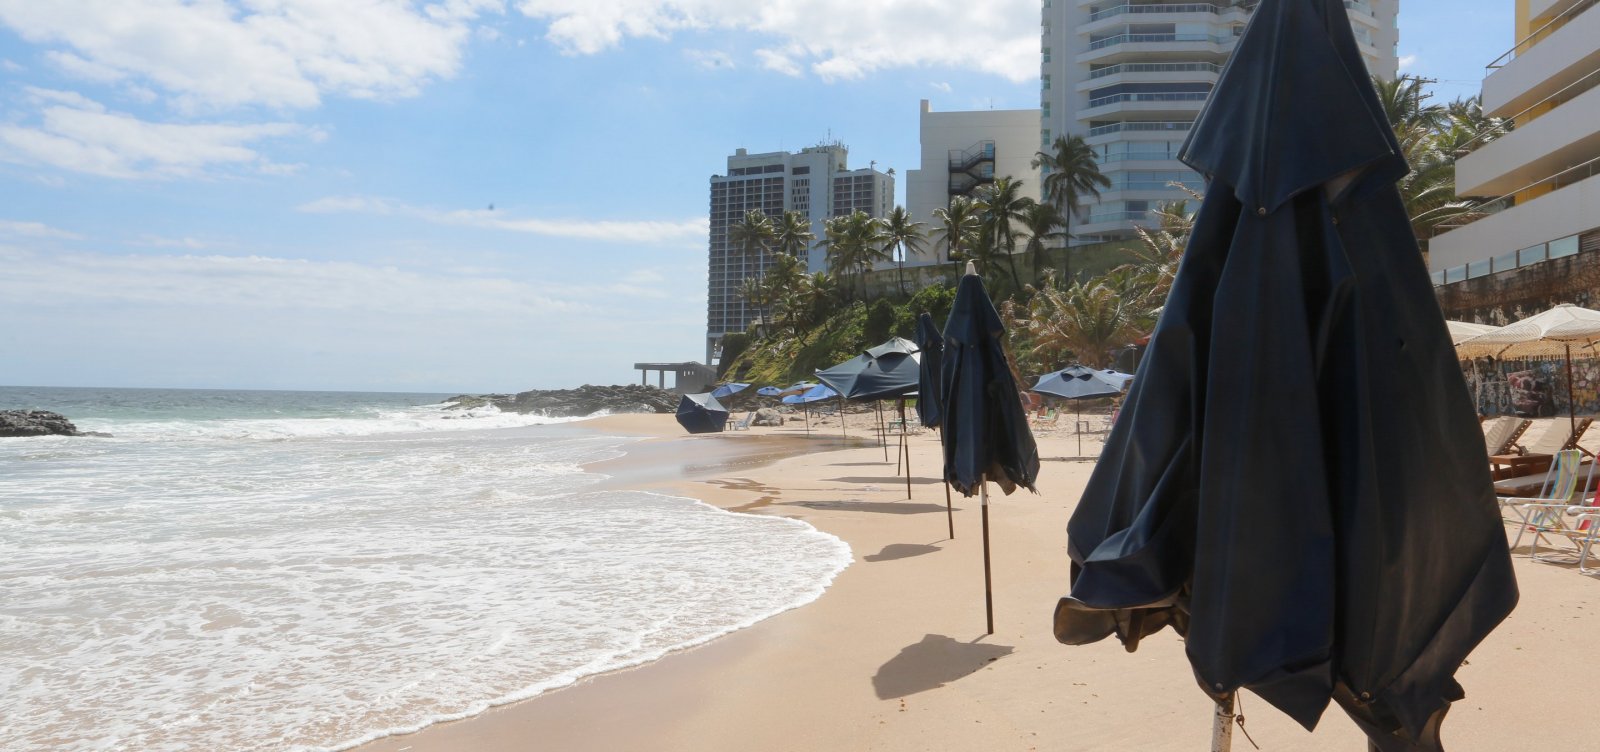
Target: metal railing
(1154, 96)
(1112, 70)
(1113, 41)
(1555, 182)
(1137, 156)
(1117, 216)
(1142, 126)
(1154, 8)
(1538, 34)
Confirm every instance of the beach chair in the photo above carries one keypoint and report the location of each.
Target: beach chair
(1590, 523)
(1502, 433)
(744, 425)
(1545, 513)
(1535, 456)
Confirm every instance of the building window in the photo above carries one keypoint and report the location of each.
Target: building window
(1564, 247)
(804, 170)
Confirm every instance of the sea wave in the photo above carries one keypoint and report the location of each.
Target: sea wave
(423, 419)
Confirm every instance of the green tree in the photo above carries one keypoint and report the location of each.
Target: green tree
(902, 236)
(854, 243)
(1041, 222)
(1071, 176)
(958, 226)
(794, 234)
(752, 236)
(1002, 206)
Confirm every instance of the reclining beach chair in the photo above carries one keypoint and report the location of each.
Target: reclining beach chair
(1545, 513)
(1501, 434)
(744, 425)
(1557, 435)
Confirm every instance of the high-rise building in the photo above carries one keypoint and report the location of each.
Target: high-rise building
(1542, 178)
(815, 181)
(962, 152)
(1130, 76)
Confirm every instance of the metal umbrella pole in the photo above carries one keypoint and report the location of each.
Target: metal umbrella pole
(1222, 725)
(905, 448)
(883, 430)
(988, 587)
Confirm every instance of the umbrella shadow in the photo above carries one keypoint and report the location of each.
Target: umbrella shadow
(890, 479)
(932, 663)
(882, 507)
(895, 551)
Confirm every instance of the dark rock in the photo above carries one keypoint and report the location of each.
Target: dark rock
(767, 416)
(36, 423)
(584, 401)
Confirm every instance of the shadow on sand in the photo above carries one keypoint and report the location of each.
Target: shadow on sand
(900, 551)
(933, 663)
(888, 480)
(882, 507)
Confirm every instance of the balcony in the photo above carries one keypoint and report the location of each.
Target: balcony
(1551, 58)
(1107, 18)
(1187, 45)
(1563, 134)
(1139, 129)
(1569, 207)
(1186, 72)
(1180, 102)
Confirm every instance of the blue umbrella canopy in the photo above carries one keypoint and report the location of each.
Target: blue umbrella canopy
(1082, 382)
(928, 390)
(702, 413)
(798, 387)
(729, 389)
(769, 391)
(892, 373)
(816, 393)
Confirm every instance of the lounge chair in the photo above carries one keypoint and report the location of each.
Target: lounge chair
(744, 425)
(1535, 456)
(1501, 434)
(1545, 512)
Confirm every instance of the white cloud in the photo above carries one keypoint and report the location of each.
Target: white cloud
(35, 230)
(184, 243)
(11, 66)
(942, 86)
(75, 133)
(1407, 62)
(213, 54)
(832, 38)
(688, 232)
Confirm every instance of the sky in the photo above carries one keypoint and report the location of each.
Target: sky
(451, 195)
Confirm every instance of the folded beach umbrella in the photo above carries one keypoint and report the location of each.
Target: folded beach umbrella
(729, 389)
(1296, 481)
(985, 432)
(702, 413)
(932, 347)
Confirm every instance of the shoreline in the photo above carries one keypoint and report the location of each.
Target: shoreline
(892, 655)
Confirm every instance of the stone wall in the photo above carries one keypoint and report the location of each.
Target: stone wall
(1513, 295)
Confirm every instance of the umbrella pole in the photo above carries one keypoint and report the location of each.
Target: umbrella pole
(842, 430)
(905, 448)
(1077, 423)
(804, 408)
(949, 511)
(1222, 725)
(988, 588)
(1572, 414)
(883, 430)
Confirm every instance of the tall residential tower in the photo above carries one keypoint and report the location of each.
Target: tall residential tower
(1131, 76)
(816, 181)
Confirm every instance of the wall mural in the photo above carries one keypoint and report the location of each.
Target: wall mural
(1533, 388)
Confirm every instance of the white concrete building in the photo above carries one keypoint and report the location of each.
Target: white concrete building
(962, 151)
(1545, 174)
(816, 181)
(1131, 75)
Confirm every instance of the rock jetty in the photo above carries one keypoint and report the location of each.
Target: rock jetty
(584, 401)
(35, 423)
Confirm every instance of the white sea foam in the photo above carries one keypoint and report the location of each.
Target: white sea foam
(422, 419)
(218, 593)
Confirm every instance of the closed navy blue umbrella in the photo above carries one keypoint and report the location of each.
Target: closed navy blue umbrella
(1296, 482)
(928, 387)
(702, 413)
(985, 432)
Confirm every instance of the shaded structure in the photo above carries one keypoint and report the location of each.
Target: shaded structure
(702, 413)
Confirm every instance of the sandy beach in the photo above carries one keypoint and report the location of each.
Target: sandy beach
(894, 656)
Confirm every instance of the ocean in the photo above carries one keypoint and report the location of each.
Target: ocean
(253, 570)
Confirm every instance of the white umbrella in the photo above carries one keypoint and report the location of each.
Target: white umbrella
(1553, 333)
(1461, 331)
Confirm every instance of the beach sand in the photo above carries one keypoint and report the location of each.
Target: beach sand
(894, 657)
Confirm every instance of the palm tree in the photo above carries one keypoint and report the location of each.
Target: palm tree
(958, 223)
(753, 234)
(1041, 221)
(1002, 207)
(1402, 101)
(854, 243)
(794, 235)
(1086, 319)
(902, 236)
(1071, 176)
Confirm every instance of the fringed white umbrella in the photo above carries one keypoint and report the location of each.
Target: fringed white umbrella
(1461, 331)
(1552, 334)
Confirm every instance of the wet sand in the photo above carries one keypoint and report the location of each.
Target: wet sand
(894, 656)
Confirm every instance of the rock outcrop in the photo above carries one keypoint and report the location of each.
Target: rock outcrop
(35, 423)
(574, 403)
(767, 416)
